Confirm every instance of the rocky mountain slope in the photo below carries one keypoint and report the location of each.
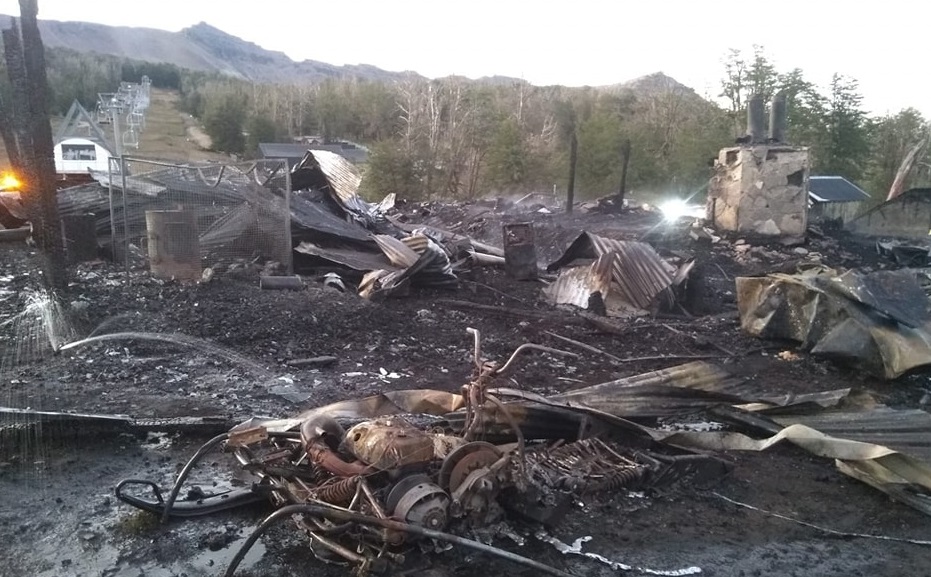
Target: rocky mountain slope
(200, 47)
(206, 48)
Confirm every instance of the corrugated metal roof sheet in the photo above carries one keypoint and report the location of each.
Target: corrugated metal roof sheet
(355, 259)
(577, 286)
(665, 392)
(907, 431)
(343, 177)
(293, 153)
(283, 150)
(399, 253)
(424, 261)
(638, 272)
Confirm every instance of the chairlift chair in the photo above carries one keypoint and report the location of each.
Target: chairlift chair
(103, 114)
(131, 138)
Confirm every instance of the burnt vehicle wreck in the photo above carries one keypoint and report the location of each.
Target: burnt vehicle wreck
(367, 479)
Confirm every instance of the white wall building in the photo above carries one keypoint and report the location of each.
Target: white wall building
(81, 144)
(78, 155)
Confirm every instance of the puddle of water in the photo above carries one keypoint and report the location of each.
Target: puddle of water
(221, 559)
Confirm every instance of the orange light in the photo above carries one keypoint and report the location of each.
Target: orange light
(8, 181)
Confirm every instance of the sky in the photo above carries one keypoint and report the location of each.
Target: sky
(575, 43)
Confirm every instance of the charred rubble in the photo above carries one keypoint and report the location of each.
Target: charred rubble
(366, 478)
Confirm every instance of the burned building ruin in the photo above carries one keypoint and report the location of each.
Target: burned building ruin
(760, 187)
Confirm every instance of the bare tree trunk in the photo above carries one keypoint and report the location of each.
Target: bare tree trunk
(40, 160)
(9, 137)
(898, 184)
(573, 156)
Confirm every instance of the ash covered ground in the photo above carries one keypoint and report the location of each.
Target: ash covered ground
(58, 515)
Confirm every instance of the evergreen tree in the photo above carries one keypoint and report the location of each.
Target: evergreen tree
(847, 132)
(507, 157)
(260, 128)
(224, 125)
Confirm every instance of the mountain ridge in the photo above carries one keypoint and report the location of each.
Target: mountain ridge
(205, 48)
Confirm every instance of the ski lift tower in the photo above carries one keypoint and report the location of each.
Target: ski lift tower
(125, 107)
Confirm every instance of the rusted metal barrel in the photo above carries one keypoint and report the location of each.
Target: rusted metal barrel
(174, 245)
(520, 251)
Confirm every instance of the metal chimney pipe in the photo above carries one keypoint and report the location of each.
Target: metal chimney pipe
(755, 119)
(778, 118)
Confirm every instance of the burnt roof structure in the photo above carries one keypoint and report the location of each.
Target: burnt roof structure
(835, 189)
(293, 153)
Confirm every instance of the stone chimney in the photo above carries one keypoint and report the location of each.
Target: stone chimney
(761, 187)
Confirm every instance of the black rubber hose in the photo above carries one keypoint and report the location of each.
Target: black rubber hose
(169, 503)
(352, 517)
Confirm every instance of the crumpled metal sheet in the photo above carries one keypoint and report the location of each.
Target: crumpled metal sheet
(908, 431)
(355, 259)
(901, 476)
(877, 321)
(314, 219)
(327, 171)
(340, 174)
(447, 237)
(422, 262)
(681, 389)
(639, 276)
(397, 251)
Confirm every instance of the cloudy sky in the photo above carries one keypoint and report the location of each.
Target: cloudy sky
(581, 42)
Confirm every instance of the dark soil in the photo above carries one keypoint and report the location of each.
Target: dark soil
(58, 516)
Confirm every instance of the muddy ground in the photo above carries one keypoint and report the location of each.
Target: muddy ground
(58, 515)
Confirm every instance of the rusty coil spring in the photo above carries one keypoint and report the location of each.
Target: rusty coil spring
(616, 480)
(339, 493)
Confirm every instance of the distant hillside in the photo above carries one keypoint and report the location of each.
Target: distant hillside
(203, 47)
(200, 47)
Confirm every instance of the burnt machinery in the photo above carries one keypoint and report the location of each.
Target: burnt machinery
(366, 478)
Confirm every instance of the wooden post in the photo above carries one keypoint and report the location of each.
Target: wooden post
(625, 162)
(80, 237)
(573, 156)
(34, 137)
(18, 126)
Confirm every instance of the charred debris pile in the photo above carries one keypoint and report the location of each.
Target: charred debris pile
(366, 479)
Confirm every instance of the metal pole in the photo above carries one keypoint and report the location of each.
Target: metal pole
(287, 220)
(125, 218)
(573, 156)
(112, 215)
(117, 135)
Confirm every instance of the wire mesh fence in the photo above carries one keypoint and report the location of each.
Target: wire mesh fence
(177, 220)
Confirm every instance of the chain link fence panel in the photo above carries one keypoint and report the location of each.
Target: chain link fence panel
(178, 220)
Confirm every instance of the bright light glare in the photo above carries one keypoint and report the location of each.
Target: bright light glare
(9, 182)
(674, 209)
